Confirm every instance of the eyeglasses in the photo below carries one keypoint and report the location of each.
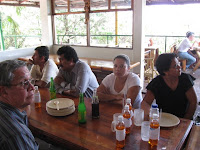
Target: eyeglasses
(25, 84)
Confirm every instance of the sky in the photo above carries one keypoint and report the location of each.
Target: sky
(172, 19)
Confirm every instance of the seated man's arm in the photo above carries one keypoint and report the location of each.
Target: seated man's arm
(105, 95)
(192, 98)
(33, 73)
(50, 70)
(81, 85)
(58, 80)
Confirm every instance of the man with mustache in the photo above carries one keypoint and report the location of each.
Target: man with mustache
(74, 76)
(43, 68)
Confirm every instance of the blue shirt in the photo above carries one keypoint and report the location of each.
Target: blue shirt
(81, 78)
(14, 131)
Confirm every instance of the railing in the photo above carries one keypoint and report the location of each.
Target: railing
(25, 40)
(163, 42)
(104, 41)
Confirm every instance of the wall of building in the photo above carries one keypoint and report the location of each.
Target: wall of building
(16, 53)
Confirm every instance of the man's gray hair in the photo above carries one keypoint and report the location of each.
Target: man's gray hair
(7, 68)
(125, 58)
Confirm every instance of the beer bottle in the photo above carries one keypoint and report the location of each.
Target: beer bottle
(52, 89)
(127, 119)
(154, 131)
(120, 133)
(81, 109)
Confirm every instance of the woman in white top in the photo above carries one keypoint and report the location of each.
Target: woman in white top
(120, 82)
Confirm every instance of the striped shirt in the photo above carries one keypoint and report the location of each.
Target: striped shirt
(14, 131)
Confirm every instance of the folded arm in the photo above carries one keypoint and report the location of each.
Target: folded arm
(105, 95)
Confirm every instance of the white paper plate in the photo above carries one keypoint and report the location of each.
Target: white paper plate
(66, 107)
(62, 112)
(63, 103)
(168, 120)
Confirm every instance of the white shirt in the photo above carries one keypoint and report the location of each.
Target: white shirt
(132, 80)
(50, 70)
(185, 45)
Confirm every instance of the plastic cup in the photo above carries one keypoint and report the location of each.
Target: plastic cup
(145, 130)
(138, 117)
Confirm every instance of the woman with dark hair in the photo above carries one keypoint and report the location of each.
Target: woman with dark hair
(173, 90)
(120, 82)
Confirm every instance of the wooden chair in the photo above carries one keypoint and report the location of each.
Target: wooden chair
(149, 70)
(182, 61)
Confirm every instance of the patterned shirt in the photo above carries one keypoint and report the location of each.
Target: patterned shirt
(14, 131)
(81, 78)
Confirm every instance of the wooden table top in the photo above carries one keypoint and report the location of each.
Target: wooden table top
(96, 133)
(193, 142)
(94, 63)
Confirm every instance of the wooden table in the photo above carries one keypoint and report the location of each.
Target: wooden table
(94, 63)
(96, 133)
(193, 142)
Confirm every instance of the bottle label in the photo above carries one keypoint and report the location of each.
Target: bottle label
(120, 135)
(82, 116)
(52, 95)
(154, 133)
(127, 122)
(37, 98)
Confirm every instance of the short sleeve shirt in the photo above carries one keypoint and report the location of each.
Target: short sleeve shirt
(50, 70)
(132, 80)
(185, 45)
(172, 101)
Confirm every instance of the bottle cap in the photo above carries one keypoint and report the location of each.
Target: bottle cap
(120, 118)
(36, 87)
(126, 107)
(154, 106)
(128, 100)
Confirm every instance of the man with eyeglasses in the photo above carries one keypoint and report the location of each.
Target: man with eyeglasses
(16, 94)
